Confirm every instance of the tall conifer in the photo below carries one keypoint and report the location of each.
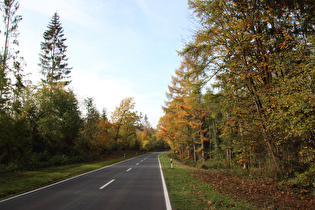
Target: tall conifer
(53, 59)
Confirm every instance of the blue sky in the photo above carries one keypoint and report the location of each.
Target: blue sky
(117, 48)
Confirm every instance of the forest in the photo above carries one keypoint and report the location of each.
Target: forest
(44, 124)
(243, 95)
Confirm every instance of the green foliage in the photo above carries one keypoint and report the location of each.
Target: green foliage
(14, 147)
(58, 118)
(212, 163)
(305, 179)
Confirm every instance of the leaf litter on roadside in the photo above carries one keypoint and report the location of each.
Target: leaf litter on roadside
(262, 194)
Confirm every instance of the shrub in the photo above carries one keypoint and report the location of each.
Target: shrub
(8, 168)
(213, 163)
(306, 179)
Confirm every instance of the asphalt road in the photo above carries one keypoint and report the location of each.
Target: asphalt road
(133, 184)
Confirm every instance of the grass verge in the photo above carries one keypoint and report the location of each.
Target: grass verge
(12, 184)
(187, 192)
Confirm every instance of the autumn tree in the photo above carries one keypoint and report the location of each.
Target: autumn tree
(174, 125)
(148, 138)
(255, 49)
(126, 122)
(53, 59)
(95, 136)
(185, 114)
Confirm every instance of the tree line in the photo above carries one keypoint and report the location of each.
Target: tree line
(42, 125)
(244, 92)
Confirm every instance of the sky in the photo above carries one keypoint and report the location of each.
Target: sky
(117, 48)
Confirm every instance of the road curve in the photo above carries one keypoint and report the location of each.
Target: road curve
(136, 183)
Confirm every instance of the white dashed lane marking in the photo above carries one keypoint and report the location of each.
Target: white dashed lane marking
(105, 185)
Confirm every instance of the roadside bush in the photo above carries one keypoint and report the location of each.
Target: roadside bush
(8, 168)
(201, 164)
(210, 163)
(190, 162)
(45, 159)
(59, 159)
(38, 160)
(306, 179)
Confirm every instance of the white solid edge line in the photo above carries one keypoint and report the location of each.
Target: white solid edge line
(166, 196)
(66, 180)
(107, 184)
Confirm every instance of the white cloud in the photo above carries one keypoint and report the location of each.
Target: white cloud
(107, 92)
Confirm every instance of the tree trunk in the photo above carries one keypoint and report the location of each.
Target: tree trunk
(267, 135)
(195, 158)
(203, 148)
(228, 156)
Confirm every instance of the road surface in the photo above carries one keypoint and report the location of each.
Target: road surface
(132, 184)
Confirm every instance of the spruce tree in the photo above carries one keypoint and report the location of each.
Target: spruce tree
(53, 59)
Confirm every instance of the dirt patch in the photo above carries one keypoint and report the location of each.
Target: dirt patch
(262, 194)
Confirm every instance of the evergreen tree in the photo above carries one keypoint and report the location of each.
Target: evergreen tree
(53, 59)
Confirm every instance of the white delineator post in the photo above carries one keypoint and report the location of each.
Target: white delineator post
(171, 163)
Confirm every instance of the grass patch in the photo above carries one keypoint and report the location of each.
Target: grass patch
(187, 192)
(15, 183)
